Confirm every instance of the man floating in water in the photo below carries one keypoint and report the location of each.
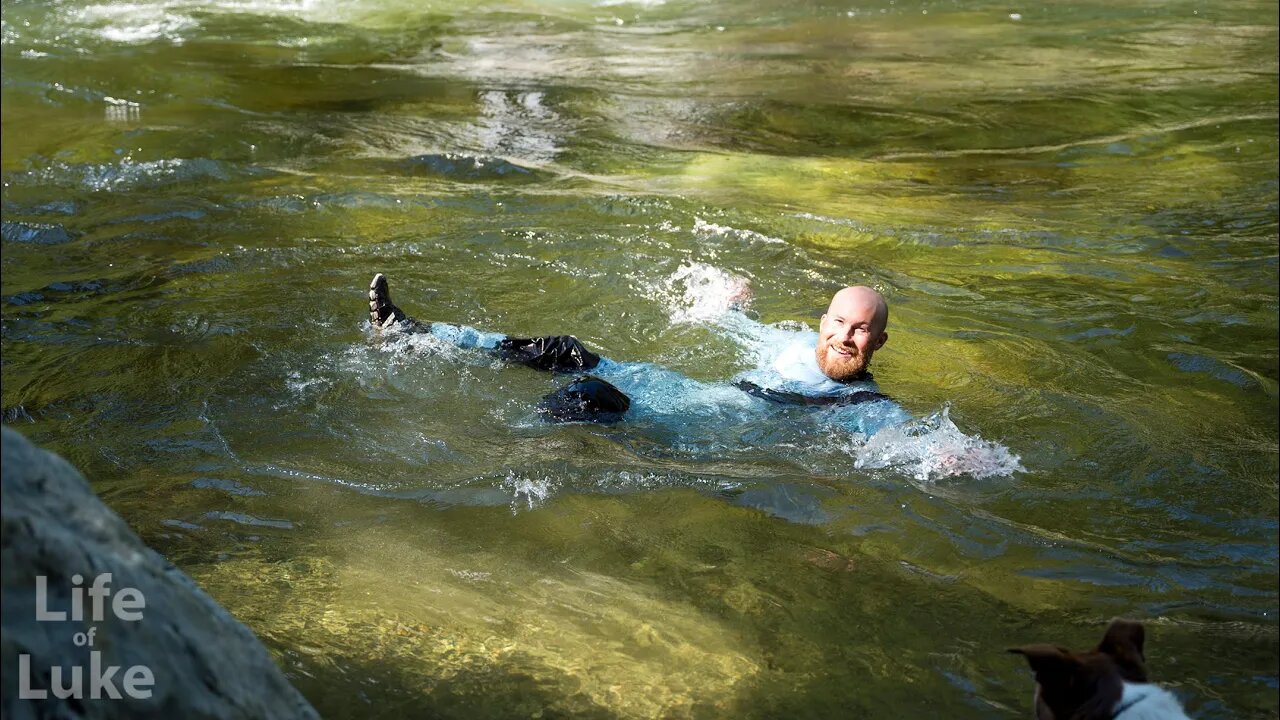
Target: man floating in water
(827, 368)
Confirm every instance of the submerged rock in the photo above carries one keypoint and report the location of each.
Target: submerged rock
(176, 652)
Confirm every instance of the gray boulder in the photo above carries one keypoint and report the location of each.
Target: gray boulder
(178, 654)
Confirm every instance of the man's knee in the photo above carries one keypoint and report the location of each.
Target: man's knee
(560, 353)
(586, 399)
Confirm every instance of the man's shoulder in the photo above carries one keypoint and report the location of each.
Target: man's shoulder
(798, 359)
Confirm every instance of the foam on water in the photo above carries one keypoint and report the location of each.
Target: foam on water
(702, 294)
(699, 293)
(454, 343)
(933, 448)
(529, 490)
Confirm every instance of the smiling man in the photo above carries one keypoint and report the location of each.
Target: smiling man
(851, 331)
(828, 368)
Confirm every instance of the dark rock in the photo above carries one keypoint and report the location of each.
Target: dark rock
(204, 662)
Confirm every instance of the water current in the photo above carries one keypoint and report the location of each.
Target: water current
(1071, 208)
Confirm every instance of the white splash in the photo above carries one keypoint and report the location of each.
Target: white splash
(528, 490)
(698, 293)
(452, 343)
(933, 448)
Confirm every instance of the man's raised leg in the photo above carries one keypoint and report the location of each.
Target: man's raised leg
(384, 315)
(585, 399)
(557, 353)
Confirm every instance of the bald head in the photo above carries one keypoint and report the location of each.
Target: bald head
(856, 300)
(852, 329)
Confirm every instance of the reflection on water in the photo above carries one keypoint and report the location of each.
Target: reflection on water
(1072, 213)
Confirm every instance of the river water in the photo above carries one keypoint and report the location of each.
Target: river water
(1071, 207)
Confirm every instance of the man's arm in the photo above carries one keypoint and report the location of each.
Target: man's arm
(786, 397)
(869, 417)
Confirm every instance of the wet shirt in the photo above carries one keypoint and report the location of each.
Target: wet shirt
(793, 372)
(793, 377)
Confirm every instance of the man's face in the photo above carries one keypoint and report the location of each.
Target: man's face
(849, 335)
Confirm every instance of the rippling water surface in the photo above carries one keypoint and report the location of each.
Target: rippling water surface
(1070, 206)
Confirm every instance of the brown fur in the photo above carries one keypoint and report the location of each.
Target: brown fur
(1086, 685)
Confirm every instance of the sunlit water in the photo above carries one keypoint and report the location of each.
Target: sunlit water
(1071, 208)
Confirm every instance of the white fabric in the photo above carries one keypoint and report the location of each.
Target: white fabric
(795, 369)
(798, 363)
(1144, 701)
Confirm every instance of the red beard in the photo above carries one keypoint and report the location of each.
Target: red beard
(842, 368)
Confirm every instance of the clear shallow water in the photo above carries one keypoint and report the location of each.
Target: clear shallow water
(1073, 215)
